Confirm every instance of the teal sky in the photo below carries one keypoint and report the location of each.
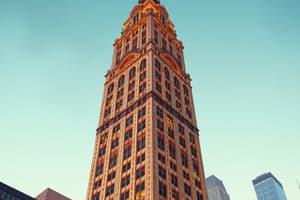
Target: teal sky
(243, 56)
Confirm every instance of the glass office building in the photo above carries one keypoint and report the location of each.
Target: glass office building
(267, 187)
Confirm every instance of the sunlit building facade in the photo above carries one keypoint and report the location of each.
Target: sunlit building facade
(147, 144)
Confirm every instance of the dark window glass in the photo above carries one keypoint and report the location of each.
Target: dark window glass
(141, 126)
(182, 142)
(184, 160)
(141, 144)
(161, 172)
(127, 153)
(125, 181)
(170, 133)
(129, 121)
(143, 65)
(159, 112)
(113, 161)
(121, 81)
(110, 190)
(101, 152)
(140, 158)
(131, 85)
(120, 93)
(160, 125)
(110, 88)
(157, 64)
(140, 173)
(126, 167)
(161, 158)
(167, 74)
(174, 180)
(143, 76)
(180, 129)
(132, 73)
(130, 96)
(173, 166)
(142, 112)
(124, 196)
(187, 189)
(114, 143)
(140, 187)
(142, 88)
(111, 176)
(167, 85)
(176, 82)
(194, 152)
(99, 170)
(172, 151)
(185, 90)
(128, 134)
(162, 190)
(161, 142)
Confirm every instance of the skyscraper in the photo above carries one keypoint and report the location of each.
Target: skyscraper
(267, 187)
(147, 143)
(216, 189)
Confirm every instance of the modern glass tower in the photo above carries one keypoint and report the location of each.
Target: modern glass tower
(147, 144)
(216, 189)
(267, 187)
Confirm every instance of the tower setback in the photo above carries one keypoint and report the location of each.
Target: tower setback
(147, 144)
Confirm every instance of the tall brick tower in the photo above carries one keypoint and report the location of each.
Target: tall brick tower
(147, 144)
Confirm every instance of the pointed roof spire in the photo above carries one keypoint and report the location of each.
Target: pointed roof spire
(155, 1)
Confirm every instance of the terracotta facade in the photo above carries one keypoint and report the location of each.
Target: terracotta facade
(147, 144)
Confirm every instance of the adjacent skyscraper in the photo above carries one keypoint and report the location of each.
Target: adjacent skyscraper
(147, 144)
(267, 187)
(216, 189)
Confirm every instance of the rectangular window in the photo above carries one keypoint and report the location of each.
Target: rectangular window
(140, 173)
(125, 181)
(99, 170)
(158, 87)
(173, 166)
(113, 161)
(194, 152)
(131, 85)
(127, 152)
(140, 144)
(160, 125)
(174, 180)
(182, 142)
(110, 190)
(130, 96)
(140, 159)
(142, 88)
(184, 160)
(120, 93)
(181, 129)
(114, 143)
(170, 133)
(124, 196)
(126, 167)
(161, 142)
(128, 134)
(161, 172)
(172, 151)
(143, 76)
(142, 112)
(187, 189)
(144, 37)
(161, 158)
(116, 129)
(162, 190)
(111, 176)
(141, 126)
(176, 83)
(159, 112)
(101, 152)
(129, 121)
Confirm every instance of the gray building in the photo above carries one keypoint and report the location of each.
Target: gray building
(267, 187)
(216, 189)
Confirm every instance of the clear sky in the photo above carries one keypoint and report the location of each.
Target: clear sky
(243, 56)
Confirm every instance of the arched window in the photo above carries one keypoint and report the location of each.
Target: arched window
(132, 73)
(110, 88)
(157, 64)
(167, 73)
(121, 81)
(143, 64)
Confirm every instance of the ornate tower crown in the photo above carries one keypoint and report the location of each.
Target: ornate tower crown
(156, 1)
